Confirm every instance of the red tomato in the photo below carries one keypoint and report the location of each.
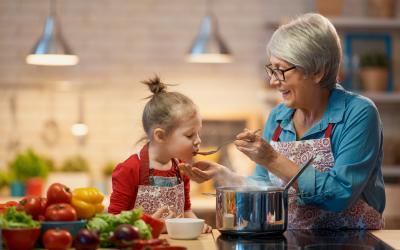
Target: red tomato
(33, 205)
(156, 225)
(58, 193)
(60, 212)
(57, 239)
(8, 204)
(12, 203)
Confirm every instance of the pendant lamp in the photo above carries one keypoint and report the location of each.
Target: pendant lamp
(209, 47)
(51, 49)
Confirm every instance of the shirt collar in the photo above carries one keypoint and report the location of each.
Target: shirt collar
(334, 113)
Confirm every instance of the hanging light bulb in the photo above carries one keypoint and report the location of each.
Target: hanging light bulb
(80, 129)
(209, 47)
(51, 49)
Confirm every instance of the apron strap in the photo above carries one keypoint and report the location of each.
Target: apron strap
(278, 130)
(144, 170)
(328, 130)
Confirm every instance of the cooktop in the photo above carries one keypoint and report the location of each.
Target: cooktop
(304, 239)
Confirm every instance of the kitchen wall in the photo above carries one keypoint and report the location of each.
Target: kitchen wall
(120, 43)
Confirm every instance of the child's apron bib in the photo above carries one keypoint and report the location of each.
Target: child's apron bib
(151, 198)
(359, 216)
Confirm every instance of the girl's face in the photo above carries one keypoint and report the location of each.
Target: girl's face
(184, 140)
(297, 88)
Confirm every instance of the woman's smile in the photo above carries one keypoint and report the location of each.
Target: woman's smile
(285, 93)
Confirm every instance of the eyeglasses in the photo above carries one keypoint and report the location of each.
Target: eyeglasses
(279, 74)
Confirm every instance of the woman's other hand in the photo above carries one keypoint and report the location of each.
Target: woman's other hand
(255, 147)
(200, 171)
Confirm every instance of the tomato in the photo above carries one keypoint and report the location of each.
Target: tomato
(60, 212)
(58, 193)
(57, 239)
(156, 225)
(33, 205)
(8, 204)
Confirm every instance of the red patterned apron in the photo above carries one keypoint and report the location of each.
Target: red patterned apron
(359, 216)
(151, 198)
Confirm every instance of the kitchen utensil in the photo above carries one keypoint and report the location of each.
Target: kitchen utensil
(220, 146)
(51, 132)
(254, 210)
(184, 228)
(14, 141)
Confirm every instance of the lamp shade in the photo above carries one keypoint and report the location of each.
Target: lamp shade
(209, 47)
(51, 49)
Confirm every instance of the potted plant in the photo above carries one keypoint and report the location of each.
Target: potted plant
(27, 169)
(374, 71)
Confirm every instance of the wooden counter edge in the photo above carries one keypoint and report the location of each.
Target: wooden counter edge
(390, 237)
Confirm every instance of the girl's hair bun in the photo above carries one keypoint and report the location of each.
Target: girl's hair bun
(155, 85)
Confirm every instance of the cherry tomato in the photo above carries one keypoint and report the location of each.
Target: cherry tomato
(58, 193)
(33, 205)
(57, 239)
(60, 212)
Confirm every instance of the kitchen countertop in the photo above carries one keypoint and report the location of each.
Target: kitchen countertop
(302, 238)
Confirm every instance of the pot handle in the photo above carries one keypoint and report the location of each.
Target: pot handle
(294, 178)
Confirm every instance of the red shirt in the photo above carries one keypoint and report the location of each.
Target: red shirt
(125, 183)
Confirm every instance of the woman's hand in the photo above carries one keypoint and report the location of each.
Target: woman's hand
(201, 171)
(255, 147)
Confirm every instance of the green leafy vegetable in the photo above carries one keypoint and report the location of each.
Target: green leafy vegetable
(106, 223)
(15, 219)
(144, 229)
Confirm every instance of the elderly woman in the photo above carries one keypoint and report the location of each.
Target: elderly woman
(317, 119)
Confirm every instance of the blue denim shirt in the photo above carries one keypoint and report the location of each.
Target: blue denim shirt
(356, 142)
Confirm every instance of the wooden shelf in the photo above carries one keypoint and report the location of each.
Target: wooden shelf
(365, 23)
(353, 23)
(392, 171)
(383, 97)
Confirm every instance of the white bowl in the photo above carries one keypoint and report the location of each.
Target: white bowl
(184, 228)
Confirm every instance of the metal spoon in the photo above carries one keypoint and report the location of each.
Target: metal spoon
(220, 146)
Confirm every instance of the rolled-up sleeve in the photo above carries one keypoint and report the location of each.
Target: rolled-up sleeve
(357, 152)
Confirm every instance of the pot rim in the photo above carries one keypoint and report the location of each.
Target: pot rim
(250, 188)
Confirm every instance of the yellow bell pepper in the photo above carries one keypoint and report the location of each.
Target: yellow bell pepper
(87, 202)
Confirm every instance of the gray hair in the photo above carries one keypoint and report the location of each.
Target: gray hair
(311, 43)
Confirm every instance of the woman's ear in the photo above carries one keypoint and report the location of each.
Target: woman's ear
(159, 135)
(318, 77)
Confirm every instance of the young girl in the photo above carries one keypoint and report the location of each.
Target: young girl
(151, 179)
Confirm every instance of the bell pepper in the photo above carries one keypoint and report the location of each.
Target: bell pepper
(87, 202)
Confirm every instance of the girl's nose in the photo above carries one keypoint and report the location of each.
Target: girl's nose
(197, 141)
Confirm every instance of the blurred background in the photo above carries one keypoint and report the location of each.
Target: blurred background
(73, 123)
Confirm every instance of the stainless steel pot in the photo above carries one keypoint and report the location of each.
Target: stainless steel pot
(252, 210)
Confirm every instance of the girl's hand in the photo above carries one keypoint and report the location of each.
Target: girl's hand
(206, 229)
(159, 214)
(201, 171)
(255, 147)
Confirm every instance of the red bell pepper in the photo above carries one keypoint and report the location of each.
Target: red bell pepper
(156, 225)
